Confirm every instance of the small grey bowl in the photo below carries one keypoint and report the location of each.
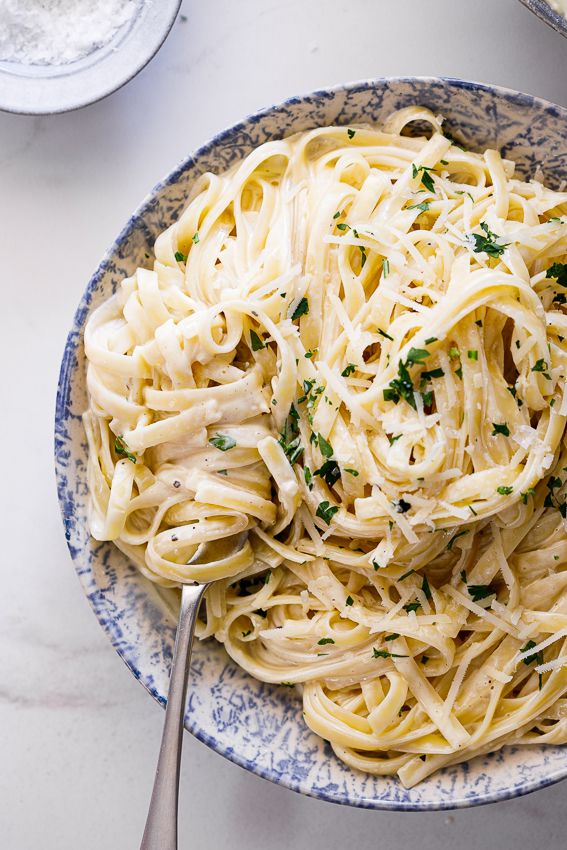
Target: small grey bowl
(47, 89)
(546, 13)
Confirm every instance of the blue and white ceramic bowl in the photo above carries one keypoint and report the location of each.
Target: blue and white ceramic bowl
(259, 726)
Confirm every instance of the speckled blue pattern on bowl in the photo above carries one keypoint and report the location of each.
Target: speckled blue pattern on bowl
(260, 726)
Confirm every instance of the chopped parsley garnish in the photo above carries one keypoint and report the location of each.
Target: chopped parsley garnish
(289, 440)
(412, 606)
(401, 387)
(343, 226)
(301, 309)
(385, 335)
(472, 354)
(480, 591)
(464, 576)
(386, 268)
(348, 370)
(422, 207)
(559, 272)
(426, 589)
(526, 495)
(487, 243)
(330, 472)
(426, 177)
(456, 537)
(255, 341)
(122, 449)
(324, 641)
(325, 447)
(350, 133)
(349, 601)
(353, 472)
(337, 214)
(195, 237)
(454, 353)
(541, 366)
(416, 355)
(537, 657)
(383, 653)
(553, 484)
(430, 340)
(406, 575)
(181, 258)
(432, 373)
(459, 373)
(326, 511)
(222, 442)
(393, 636)
(504, 491)
(500, 428)
(393, 439)
(311, 353)
(401, 506)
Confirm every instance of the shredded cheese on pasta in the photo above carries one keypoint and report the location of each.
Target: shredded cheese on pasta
(352, 346)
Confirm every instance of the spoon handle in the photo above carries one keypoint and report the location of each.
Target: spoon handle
(160, 832)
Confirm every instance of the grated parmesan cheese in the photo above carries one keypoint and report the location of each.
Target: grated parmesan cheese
(57, 32)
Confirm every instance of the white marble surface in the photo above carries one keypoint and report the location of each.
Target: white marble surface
(78, 736)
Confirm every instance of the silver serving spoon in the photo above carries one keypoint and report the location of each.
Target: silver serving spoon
(160, 832)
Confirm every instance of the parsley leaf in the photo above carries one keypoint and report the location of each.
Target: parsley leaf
(401, 506)
(500, 428)
(325, 447)
(330, 472)
(426, 177)
(222, 442)
(326, 511)
(181, 258)
(324, 641)
(416, 355)
(301, 309)
(504, 491)
(289, 440)
(383, 653)
(122, 449)
(353, 472)
(256, 342)
(559, 272)
(488, 242)
(348, 370)
(422, 207)
(480, 591)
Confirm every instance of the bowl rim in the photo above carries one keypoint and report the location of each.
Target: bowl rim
(546, 13)
(74, 341)
(100, 78)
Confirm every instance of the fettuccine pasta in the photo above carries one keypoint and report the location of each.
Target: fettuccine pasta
(351, 346)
